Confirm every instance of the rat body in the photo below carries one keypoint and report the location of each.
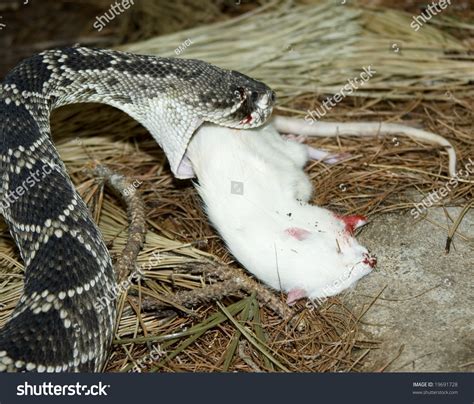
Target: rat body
(256, 194)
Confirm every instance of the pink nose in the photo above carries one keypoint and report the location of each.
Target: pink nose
(370, 260)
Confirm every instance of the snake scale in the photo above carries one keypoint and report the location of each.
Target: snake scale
(56, 325)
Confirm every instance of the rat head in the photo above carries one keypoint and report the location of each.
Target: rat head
(343, 261)
(355, 260)
(234, 100)
(327, 265)
(329, 260)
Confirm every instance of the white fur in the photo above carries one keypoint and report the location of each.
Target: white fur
(254, 224)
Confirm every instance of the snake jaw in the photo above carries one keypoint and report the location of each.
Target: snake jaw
(255, 118)
(247, 120)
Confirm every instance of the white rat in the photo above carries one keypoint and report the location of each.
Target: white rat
(255, 193)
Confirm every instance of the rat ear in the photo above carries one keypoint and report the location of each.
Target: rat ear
(294, 295)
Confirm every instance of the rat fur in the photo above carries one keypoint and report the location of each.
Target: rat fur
(256, 192)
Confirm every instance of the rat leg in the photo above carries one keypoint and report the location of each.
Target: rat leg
(295, 138)
(289, 158)
(294, 295)
(302, 188)
(317, 154)
(295, 151)
(325, 156)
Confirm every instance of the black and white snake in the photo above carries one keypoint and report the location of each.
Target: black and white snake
(56, 325)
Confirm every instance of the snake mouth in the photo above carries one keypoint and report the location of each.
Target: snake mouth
(251, 108)
(254, 108)
(255, 118)
(256, 114)
(247, 120)
(241, 120)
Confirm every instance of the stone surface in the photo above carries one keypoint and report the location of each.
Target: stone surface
(427, 306)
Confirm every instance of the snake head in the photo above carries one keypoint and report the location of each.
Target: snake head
(249, 102)
(254, 104)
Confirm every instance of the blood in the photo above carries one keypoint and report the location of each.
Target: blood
(247, 119)
(352, 222)
(370, 260)
(298, 233)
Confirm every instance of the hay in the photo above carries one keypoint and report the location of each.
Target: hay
(209, 337)
(316, 48)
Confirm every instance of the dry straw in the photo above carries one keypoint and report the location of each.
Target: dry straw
(316, 48)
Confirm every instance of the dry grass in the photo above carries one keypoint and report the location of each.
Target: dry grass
(237, 333)
(316, 48)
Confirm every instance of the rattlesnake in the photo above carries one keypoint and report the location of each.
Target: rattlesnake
(56, 325)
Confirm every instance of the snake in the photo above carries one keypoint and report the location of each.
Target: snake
(56, 325)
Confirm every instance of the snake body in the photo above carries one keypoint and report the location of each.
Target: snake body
(57, 325)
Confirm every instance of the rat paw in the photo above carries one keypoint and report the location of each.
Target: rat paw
(294, 295)
(325, 156)
(295, 138)
(303, 189)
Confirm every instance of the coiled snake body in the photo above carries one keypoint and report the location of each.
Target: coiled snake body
(57, 325)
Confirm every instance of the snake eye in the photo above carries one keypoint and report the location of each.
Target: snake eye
(254, 96)
(241, 93)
